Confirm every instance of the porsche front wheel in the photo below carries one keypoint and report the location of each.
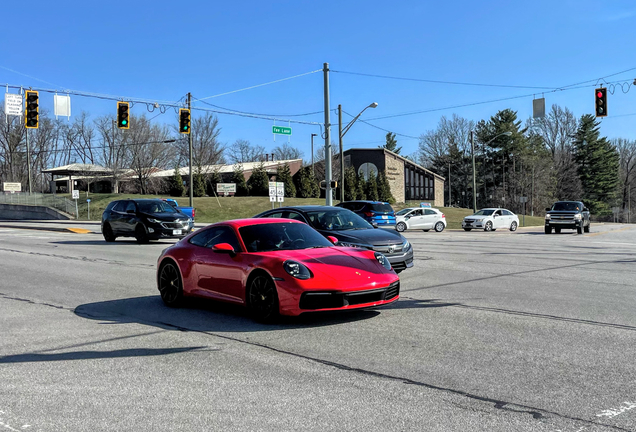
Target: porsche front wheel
(170, 286)
(262, 298)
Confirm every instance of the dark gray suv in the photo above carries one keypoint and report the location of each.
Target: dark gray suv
(567, 215)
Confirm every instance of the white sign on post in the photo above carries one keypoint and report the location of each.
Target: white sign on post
(12, 187)
(13, 104)
(272, 189)
(76, 194)
(280, 190)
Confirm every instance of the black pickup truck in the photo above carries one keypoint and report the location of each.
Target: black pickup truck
(568, 215)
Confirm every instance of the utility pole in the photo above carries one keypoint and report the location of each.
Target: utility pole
(313, 167)
(449, 185)
(341, 153)
(190, 152)
(328, 197)
(472, 153)
(28, 158)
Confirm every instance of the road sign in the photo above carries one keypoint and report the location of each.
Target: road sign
(280, 199)
(272, 198)
(280, 189)
(281, 130)
(13, 104)
(272, 189)
(12, 187)
(75, 194)
(523, 199)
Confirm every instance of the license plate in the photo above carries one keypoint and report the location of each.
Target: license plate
(176, 232)
(385, 217)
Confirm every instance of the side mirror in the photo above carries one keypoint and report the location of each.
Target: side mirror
(547, 209)
(130, 211)
(332, 239)
(586, 209)
(224, 248)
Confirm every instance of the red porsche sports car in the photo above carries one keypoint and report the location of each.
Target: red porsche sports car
(274, 266)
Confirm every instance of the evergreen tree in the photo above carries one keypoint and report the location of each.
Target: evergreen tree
(258, 183)
(598, 162)
(238, 177)
(305, 183)
(391, 143)
(177, 189)
(351, 184)
(372, 187)
(211, 183)
(199, 185)
(384, 189)
(283, 174)
(361, 192)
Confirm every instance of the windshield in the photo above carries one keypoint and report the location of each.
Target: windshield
(484, 213)
(337, 220)
(281, 236)
(382, 208)
(155, 207)
(403, 212)
(567, 206)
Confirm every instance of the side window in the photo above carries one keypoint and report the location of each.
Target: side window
(295, 216)
(118, 207)
(507, 213)
(212, 236)
(130, 205)
(497, 213)
(348, 206)
(429, 212)
(274, 215)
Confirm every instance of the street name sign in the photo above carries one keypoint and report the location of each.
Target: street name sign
(281, 130)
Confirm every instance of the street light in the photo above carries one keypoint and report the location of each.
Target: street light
(313, 169)
(472, 153)
(341, 134)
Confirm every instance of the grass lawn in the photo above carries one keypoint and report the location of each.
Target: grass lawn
(211, 209)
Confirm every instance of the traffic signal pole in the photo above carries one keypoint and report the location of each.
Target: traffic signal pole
(328, 197)
(28, 159)
(190, 152)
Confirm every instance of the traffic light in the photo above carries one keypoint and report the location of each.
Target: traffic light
(123, 117)
(334, 184)
(601, 102)
(184, 120)
(31, 113)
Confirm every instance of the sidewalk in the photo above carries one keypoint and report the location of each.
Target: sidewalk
(70, 226)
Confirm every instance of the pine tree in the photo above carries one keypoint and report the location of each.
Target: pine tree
(199, 185)
(351, 184)
(384, 189)
(305, 183)
(598, 162)
(391, 143)
(177, 189)
(361, 192)
(283, 174)
(238, 177)
(258, 183)
(372, 187)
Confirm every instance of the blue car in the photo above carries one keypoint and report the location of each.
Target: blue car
(375, 212)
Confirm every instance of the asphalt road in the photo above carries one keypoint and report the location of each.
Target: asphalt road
(493, 332)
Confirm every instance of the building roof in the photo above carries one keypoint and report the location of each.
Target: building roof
(209, 169)
(407, 161)
(77, 168)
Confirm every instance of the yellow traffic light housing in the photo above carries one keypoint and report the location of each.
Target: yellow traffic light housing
(123, 115)
(184, 121)
(32, 111)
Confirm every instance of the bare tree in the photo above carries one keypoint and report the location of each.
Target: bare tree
(286, 152)
(627, 153)
(148, 151)
(115, 148)
(242, 151)
(436, 144)
(206, 148)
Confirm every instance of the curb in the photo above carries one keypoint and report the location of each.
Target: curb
(55, 229)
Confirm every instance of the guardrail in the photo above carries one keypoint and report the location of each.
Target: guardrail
(39, 199)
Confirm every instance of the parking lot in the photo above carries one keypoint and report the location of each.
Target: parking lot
(495, 331)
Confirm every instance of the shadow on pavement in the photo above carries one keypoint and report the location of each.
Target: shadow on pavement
(204, 315)
(115, 243)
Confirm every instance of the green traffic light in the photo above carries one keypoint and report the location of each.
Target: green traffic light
(124, 122)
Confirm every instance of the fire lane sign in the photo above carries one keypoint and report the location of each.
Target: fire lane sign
(281, 130)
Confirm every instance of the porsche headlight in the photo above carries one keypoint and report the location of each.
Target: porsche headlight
(297, 270)
(384, 262)
(154, 221)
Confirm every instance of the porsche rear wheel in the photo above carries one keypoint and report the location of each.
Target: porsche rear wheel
(262, 298)
(170, 285)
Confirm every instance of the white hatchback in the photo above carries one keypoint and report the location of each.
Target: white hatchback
(490, 219)
(425, 219)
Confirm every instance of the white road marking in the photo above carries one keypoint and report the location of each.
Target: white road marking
(613, 412)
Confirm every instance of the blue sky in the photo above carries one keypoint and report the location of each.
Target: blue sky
(159, 51)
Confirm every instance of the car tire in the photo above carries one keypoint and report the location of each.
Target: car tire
(262, 298)
(513, 226)
(579, 230)
(140, 234)
(557, 230)
(548, 230)
(170, 284)
(439, 227)
(400, 227)
(587, 228)
(426, 230)
(467, 229)
(108, 233)
(488, 226)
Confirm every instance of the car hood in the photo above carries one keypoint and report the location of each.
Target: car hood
(338, 263)
(168, 217)
(563, 212)
(371, 236)
(474, 218)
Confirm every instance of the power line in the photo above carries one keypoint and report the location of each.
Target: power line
(382, 129)
(257, 114)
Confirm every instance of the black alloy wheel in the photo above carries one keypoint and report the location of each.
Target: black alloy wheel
(262, 299)
(488, 226)
(108, 233)
(140, 234)
(439, 227)
(170, 285)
